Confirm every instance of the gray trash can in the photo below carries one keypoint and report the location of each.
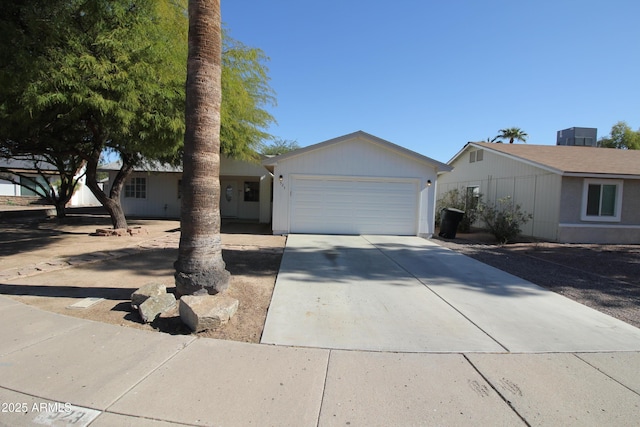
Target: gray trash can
(449, 220)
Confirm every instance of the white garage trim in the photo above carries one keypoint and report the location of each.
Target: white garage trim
(353, 205)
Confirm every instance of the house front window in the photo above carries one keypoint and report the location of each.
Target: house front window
(601, 200)
(136, 188)
(251, 191)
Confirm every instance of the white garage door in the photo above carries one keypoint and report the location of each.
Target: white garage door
(345, 205)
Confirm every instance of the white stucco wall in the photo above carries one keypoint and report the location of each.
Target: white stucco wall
(162, 199)
(357, 157)
(8, 188)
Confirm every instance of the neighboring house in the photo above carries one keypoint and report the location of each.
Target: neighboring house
(575, 194)
(155, 191)
(354, 184)
(28, 175)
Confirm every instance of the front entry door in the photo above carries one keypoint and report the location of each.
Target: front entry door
(229, 198)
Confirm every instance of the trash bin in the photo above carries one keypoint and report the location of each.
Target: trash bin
(449, 220)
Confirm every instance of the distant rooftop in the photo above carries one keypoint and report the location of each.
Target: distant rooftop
(573, 159)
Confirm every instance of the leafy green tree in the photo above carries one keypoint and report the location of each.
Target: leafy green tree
(246, 91)
(200, 267)
(512, 134)
(622, 137)
(93, 76)
(279, 146)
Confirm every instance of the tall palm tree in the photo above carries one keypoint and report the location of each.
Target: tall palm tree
(513, 134)
(200, 268)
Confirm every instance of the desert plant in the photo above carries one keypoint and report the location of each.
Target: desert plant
(464, 201)
(505, 220)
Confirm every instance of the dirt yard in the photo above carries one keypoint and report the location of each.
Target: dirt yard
(52, 265)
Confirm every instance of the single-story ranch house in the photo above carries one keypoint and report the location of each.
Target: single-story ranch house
(354, 184)
(154, 190)
(575, 194)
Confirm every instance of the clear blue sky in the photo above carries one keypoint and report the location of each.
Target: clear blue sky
(433, 75)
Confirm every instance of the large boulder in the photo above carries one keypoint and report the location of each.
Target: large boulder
(153, 306)
(205, 312)
(152, 289)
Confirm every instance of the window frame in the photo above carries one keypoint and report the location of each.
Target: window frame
(473, 195)
(251, 193)
(136, 188)
(617, 216)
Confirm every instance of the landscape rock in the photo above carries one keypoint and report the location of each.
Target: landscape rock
(137, 230)
(111, 232)
(156, 305)
(205, 312)
(149, 290)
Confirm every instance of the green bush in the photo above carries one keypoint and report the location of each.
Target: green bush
(463, 201)
(505, 220)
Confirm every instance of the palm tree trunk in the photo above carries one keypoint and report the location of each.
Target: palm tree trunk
(200, 268)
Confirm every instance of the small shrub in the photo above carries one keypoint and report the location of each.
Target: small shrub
(504, 221)
(463, 201)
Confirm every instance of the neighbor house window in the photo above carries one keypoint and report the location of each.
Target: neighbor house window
(472, 197)
(251, 191)
(601, 200)
(136, 188)
(33, 186)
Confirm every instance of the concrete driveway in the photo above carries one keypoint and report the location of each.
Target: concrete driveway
(408, 294)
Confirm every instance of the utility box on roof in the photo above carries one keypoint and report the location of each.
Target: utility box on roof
(578, 136)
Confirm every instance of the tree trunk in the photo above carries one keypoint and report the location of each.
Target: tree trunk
(112, 202)
(61, 211)
(200, 268)
(66, 189)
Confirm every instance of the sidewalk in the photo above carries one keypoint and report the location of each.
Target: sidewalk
(121, 376)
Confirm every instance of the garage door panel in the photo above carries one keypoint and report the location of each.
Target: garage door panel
(348, 206)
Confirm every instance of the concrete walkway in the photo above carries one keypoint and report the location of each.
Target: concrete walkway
(58, 370)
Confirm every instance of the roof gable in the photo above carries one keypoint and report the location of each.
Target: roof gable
(361, 136)
(567, 160)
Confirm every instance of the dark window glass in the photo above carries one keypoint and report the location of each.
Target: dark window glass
(251, 191)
